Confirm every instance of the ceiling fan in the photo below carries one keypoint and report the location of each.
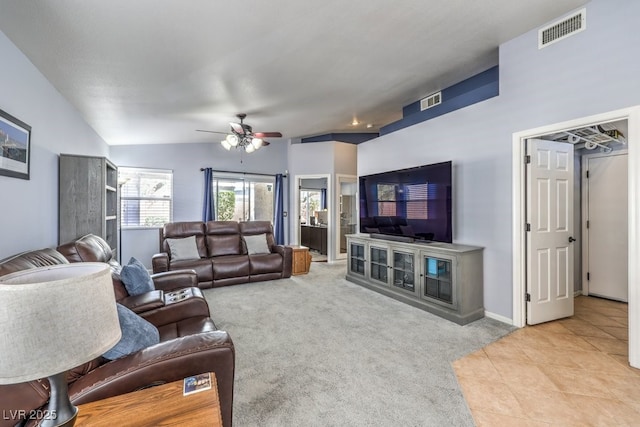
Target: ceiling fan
(243, 136)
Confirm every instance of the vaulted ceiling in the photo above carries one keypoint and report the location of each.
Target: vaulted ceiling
(153, 71)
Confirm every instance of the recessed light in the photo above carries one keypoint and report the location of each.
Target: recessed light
(369, 125)
(355, 122)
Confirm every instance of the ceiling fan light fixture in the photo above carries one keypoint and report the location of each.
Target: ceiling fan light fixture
(242, 136)
(232, 140)
(256, 142)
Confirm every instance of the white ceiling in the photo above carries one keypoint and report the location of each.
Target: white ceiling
(153, 71)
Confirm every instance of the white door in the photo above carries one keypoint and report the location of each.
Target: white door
(549, 241)
(606, 237)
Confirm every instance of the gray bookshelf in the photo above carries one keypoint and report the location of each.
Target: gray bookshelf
(88, 199)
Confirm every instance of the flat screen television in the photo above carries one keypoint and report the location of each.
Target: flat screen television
(414, 203)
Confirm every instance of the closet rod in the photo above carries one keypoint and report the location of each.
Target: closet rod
(285, 174)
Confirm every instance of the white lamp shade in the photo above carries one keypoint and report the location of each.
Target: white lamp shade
(54, 319)
(250, 148)
(256, 142)
(232, 140)
(226, 144)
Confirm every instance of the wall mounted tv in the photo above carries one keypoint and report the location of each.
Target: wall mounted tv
(413, 203)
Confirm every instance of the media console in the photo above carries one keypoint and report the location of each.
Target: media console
(442, 278)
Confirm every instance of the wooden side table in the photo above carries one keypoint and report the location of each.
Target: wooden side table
(301, 259)
(163, 405)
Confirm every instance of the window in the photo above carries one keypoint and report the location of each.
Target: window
(416, 198)
(309, 204)
(146, 197)
(387, 200)
(240, 197)
(412, 199)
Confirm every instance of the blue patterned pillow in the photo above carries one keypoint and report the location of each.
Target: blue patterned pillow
(137, 334)
(136, 278)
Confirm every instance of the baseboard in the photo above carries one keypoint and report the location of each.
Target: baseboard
(508, 321)
(498, 317)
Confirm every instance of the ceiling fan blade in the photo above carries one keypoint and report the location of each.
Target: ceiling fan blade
(211, 131)
(265, 143)
(267, 134)
(237, 128)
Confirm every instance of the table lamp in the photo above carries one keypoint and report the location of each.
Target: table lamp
(53, 319)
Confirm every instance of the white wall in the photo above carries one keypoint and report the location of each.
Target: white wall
(345, 158)
(29, 209)
(311, 158)
(591, 72)
(305, 159)
(186, 160)
(320, 158)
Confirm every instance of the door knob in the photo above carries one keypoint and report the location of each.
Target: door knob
(571, 239)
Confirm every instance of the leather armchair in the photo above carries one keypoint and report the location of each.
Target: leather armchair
(176, 296)
(188, 346)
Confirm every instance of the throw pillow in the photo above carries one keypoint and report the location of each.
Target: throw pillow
(183, 249)
(137, 334)
(136, 278)
(256, 244)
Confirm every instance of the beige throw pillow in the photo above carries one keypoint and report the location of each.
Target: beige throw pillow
(256, 244)
(183, 249)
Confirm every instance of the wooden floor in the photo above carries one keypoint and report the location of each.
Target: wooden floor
(571, 372)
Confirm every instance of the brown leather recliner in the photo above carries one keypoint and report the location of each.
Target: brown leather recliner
(176, 297)
(188, 346)
(224, 259)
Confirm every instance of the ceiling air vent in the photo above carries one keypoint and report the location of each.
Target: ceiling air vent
(562, 29)
(431, 101)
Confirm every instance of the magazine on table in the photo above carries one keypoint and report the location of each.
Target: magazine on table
(197, 383)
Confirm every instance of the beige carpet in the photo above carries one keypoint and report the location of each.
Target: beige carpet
(316, 350)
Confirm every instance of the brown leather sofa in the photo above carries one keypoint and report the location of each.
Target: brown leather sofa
(188, 345)
(224, 259)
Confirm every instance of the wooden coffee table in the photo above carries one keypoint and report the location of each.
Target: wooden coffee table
(163, 405)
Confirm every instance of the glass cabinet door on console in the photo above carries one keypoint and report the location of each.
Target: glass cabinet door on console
(438, 280)
(442, 278)
(378, 264)
(404, 276)
(356, 258)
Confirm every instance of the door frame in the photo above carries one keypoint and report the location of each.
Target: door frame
(340, 178)
(632, 115)
(330, 226)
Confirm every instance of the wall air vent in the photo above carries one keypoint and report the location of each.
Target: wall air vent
(431, 101)
(562, 29)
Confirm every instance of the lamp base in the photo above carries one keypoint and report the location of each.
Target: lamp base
(60, 411)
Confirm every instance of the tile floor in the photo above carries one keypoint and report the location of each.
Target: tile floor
(571, 372)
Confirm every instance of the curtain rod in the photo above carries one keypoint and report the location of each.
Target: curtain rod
(285, 174)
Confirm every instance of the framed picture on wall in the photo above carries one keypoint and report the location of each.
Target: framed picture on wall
(15, 147)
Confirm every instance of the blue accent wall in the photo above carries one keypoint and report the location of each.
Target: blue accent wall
(478, 88)
(351, 138)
